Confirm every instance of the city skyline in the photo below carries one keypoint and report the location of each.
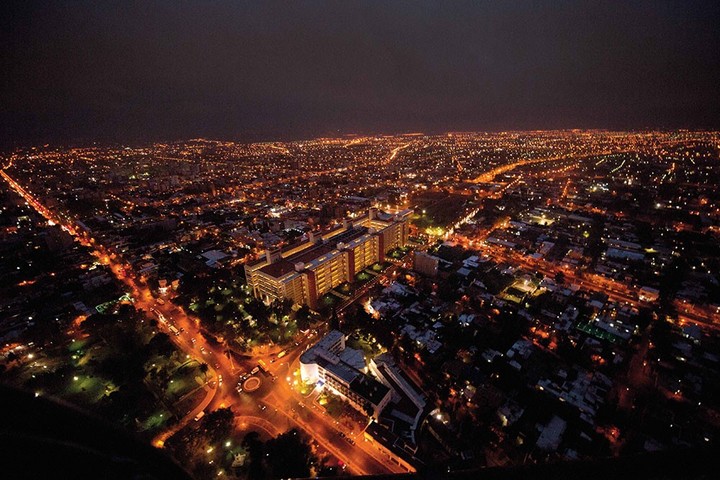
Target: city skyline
(444, 239)
(371, 304)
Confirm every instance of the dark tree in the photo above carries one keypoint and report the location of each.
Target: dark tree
(161, 345)
(449, 289)
(289, 455)
(124, 369)
(218, 424)
(302, 317)
(256, 452)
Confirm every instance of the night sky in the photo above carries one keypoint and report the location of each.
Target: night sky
(143, 71)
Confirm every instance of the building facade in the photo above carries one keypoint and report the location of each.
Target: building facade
(305, 272)
(340, 370)
(426, 264)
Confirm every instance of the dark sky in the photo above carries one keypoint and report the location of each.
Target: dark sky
(141, 71)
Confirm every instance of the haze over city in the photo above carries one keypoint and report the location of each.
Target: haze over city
(259, 240)
(148, 71)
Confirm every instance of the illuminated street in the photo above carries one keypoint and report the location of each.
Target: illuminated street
(262, 241)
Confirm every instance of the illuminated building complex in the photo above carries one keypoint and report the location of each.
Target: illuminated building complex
(305, 272)
(341, 370)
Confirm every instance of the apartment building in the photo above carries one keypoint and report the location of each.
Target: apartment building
(304, 273)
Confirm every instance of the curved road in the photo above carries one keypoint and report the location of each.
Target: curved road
(221, 391)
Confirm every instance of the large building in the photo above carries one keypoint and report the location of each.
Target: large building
(305, 272)
(426, 264)
(408, 403)
(341, 370)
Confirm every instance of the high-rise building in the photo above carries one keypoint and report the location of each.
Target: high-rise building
(305, 272)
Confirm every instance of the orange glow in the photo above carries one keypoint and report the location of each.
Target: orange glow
(79, 320)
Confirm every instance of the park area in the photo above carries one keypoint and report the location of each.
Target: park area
(118, 365)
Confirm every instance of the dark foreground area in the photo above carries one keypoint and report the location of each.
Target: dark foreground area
(41, 438)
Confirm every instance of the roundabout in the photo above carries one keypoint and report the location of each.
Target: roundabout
(251, 384)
